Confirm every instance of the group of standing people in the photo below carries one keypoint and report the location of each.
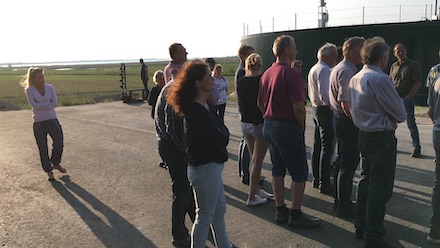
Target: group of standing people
(360, 108)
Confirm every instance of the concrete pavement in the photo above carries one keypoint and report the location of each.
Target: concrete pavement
(116, 195)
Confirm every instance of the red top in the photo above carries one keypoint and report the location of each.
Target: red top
(280, 87)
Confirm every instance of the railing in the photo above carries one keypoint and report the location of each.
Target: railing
(344, 17)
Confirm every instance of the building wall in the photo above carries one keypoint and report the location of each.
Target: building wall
(420, 38)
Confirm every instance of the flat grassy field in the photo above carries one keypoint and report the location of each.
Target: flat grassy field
(87, 84)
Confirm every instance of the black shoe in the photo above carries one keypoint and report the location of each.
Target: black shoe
(327, 191)
(182, 244)
(282, 217)
(245, 181)
(163, 165)
(416, 153)
(359, 233)
(316, 184)
(304, 221)
(346, 212)
(261, 182)
(382, 244)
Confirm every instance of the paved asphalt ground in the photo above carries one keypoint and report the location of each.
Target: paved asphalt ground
(116, 195)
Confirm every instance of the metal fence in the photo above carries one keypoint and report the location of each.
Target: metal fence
(343, 17)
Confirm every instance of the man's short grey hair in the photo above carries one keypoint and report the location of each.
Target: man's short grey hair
(326, 50)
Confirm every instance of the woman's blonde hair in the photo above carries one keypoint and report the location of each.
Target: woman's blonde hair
(28, 79)
(254, 62)
(156, 75)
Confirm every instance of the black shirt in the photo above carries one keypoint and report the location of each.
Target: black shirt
(247, 91)
(205, 135)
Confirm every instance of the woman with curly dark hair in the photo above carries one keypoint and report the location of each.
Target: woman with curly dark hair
(206, 138)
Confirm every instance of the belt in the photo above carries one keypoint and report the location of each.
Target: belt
(378, 133)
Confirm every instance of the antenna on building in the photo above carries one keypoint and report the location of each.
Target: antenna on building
(322, 15)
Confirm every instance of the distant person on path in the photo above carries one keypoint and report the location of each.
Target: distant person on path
(376, 108)
(43, 100)
(405, 74)
(433, 84)
(220, 91)
(144, 76)
(159, 80)
(206, 139)
(323, 145)
(252, 126)
(281, 99)
(178, 57)
(169, 128)
(243, 153)
(346, 131)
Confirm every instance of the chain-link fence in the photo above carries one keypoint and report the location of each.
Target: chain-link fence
(343, 17)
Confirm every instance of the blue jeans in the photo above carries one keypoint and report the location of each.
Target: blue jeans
(41, 130)
(323, 144)
(206, 181)
(287, 149)
(435, 219)
(411, 122)
(243, 160)
(183, 199)
(348, 159)
(378, 161)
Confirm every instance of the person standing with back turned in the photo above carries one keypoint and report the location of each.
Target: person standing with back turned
(376, 108)
(346, 131)
(281, 100)
(243, 153)
(323, 145)
(433, 84)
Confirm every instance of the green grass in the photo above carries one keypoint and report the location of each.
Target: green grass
(87, 84)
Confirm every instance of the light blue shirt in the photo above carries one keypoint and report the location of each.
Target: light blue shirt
(374, 102)
(339, 79)
(319, 76)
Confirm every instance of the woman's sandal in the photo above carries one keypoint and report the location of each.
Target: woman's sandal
(50, 176)
(58, 167)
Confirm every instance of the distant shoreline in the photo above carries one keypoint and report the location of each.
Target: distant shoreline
(101, 62)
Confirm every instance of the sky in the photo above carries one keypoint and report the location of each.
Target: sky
(61, 30)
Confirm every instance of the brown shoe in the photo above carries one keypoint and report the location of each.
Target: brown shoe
(60, 168)
(50, 176)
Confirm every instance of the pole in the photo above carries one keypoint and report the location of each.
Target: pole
(363, 15)
(436, 8)
(295, 20)
(273, 24)
(400, 13)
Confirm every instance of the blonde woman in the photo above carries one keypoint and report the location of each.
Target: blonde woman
(159, 80)
(252, 126)
(43, 100)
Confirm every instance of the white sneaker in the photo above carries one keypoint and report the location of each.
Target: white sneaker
(264, 194)
(256, 201)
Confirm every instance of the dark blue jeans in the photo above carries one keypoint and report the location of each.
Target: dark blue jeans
(348, 159)
(183, 198)
(243, 160)
(411, 122)
(435, 219)
(323, 144)
(53, 129)
(378, 161)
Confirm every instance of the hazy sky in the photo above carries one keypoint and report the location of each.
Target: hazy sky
(60, 30)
